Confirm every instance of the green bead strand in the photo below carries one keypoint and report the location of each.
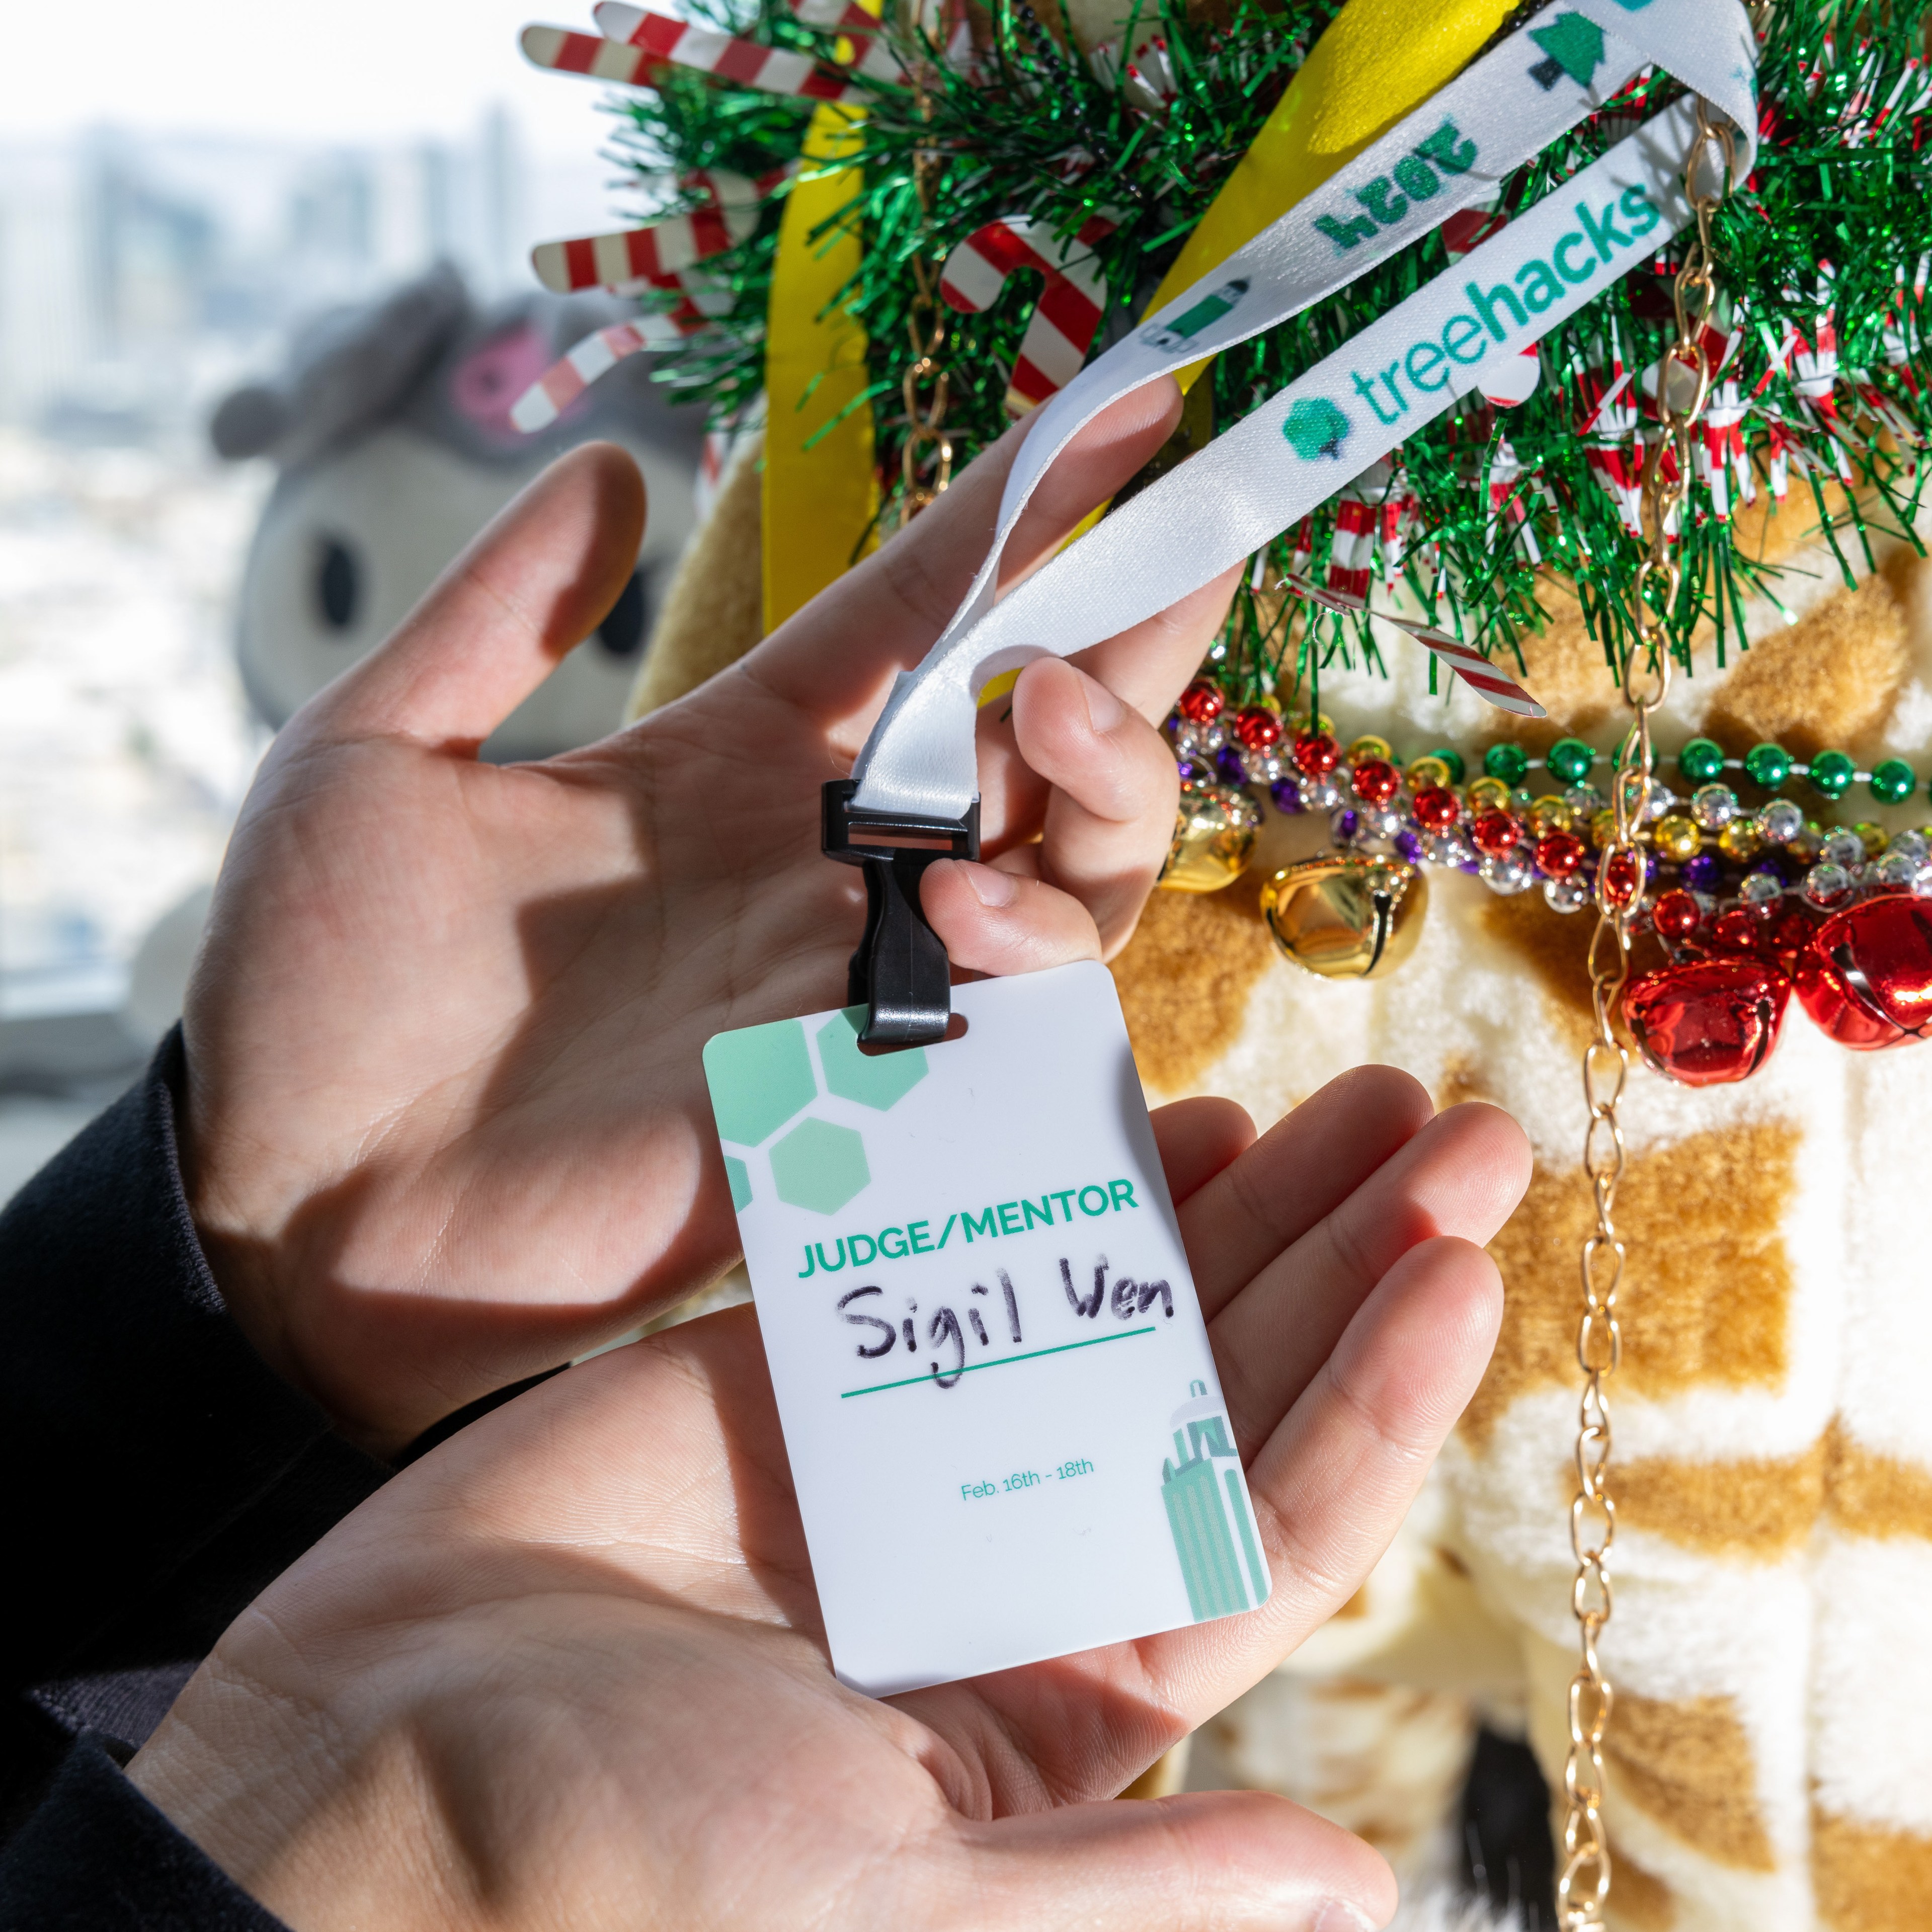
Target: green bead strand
(1452, 759)
(1702, 761)
(1510, 763)
(1893, 782)
(1768, 765)
(1571, 759)
(1832, 774)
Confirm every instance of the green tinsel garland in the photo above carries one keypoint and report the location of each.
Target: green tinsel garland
(1036, 131)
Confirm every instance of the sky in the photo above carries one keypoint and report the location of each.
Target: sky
(355, 71)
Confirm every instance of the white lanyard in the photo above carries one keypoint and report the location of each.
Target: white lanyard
(1404, 368)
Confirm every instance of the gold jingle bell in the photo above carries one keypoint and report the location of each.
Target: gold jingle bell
(1346, 916)
(1214, 838)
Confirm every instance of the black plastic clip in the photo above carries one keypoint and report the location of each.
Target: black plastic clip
(901, 970)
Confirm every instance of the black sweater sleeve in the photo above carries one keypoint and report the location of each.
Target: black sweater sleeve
(162, 1475)
(142, 1430)
(97, 1857)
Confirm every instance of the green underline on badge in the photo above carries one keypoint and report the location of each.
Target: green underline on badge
(1092, 1342)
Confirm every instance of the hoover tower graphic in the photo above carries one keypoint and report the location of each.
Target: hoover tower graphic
(1208, 1510)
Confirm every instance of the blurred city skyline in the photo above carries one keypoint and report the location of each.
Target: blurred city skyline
(179, 188)
(142, 272)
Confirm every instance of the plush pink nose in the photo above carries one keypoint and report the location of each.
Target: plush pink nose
(491, 377)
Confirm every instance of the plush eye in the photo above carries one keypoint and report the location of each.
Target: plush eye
(622, 632)
(338, 584)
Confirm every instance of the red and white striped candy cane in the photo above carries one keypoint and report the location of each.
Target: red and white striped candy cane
(1359, 512)
(1513, 379)
(1062, 329)
(1720, 452)
(655, 253)
(658, 42)
(706, 50)
(1606, 413)
(871, 51)
(572, 373)
(1509, 514)
(1470, 666)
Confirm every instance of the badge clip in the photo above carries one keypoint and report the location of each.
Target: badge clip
(900, 971)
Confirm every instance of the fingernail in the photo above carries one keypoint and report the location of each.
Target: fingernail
(1104, 710)
(1339, 1915)
(991, 886)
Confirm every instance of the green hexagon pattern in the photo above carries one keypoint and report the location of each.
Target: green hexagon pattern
(759, 1078)
(880, 1080)
(739, 1176)
(819, 1166)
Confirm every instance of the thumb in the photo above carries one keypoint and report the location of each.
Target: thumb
(491, 629)
(1204, 1861)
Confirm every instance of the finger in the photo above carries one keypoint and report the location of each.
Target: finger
(1110, 813)
(1337, 1476)
(1197, 1139)
(1203, 1861)
(530, 588)
(996, 919)
(836, 657)
(1303, 1168)
(1145, 668)
(1461, 1175)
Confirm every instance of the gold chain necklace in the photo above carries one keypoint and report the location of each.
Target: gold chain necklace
(926, 325)
(1684, 383)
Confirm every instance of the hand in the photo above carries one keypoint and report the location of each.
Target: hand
(446, 1124)
(567, 1670)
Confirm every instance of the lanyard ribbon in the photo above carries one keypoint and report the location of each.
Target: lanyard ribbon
(1331, 423)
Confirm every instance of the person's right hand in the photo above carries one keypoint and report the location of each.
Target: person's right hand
(566, 1673)
(446, 1124)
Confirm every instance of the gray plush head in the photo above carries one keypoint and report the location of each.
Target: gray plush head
(391, 428)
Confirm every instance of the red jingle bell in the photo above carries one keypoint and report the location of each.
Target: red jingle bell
(1708, 1022)
(1866, 978)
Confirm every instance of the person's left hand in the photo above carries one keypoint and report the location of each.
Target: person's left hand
(568, 1670)
(445, 1124)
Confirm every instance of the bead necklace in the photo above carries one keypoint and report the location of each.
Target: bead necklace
(1748, 903)
(1512, 838)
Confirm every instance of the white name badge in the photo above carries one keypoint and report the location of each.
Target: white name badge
(1005, 1428)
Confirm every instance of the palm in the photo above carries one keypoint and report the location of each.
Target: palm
(446, 1124)
(593, 1619)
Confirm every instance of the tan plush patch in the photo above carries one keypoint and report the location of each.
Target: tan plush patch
(1555, 947)
(1566, 671)
(1706, 1298)
(1869, 1494)
(1868, 1878)
(1184, 977)
(1828, 681)
(1758, 1507)
(714, 612)
(1687, 1763)
(1640, 1901)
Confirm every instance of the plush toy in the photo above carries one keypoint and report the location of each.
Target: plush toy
(391, 429)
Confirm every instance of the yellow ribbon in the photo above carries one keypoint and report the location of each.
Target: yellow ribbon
(1378, 61)
(821, 495)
